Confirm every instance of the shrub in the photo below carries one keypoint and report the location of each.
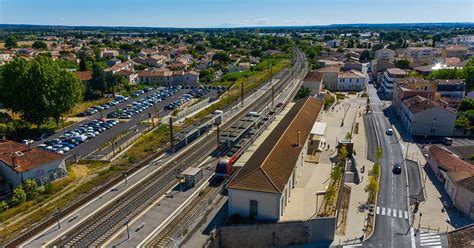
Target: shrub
(19, 196)
(3, 206)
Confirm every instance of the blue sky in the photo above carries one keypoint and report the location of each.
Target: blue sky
(220, 13)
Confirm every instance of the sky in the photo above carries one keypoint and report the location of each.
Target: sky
(231, 13)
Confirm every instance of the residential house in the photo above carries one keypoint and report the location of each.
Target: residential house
(418, 54)
(262, 188)
(112, 62)
(425, 117)
(388, 79)
(108, 54)
(456, 51)
(131, 76)
(457, 176)
(177, 66)
(461, 237)
(84, 76)
(385, 53)
(451, 91)
(460, 187)
(352, 65)
(378, 67)
(329, 62)
(19, 162)
(410, 86)
(313, 80)
(154, 60)
(350, 81)
(168, 78)
(330, 77)
(126, 65)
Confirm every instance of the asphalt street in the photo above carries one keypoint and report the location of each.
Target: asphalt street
(392, 227)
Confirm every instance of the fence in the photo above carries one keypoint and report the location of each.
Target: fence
(193, 108)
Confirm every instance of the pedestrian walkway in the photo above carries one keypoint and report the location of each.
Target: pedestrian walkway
(391, 212)
(432, 240)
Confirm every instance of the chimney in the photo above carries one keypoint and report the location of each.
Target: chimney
(299, 134)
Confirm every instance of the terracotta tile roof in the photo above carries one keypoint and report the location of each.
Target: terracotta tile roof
(329, 69)
(313, 76)
(350, 74)
(270, 167)
(461, 237)
(84, 75)
(418, 104)
(448, 161)
(28, 159)
(396, 71)
(456, 48)
(467, 183)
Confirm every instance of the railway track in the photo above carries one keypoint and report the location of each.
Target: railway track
(165, 236)
(96, 229)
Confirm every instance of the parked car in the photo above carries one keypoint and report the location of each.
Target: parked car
(389, 131)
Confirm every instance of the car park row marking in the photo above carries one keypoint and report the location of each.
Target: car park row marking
(395, 213)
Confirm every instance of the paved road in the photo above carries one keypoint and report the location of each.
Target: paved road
(392, 227)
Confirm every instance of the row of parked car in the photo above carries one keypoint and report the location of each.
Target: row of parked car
(71, 139)
(118, 99)
(139, 106)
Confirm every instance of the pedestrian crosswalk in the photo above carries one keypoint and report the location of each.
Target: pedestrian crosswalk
(352, 246)
(391, 212)
(432, 240)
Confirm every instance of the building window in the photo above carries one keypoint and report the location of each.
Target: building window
(253, 208)
(432, 130)
(426, 87)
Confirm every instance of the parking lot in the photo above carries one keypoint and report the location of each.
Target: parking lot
(99, 127)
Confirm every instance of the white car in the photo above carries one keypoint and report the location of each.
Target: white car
(389, 131)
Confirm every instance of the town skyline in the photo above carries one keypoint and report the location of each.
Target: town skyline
(228, 14)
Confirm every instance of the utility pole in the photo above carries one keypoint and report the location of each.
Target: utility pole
(218, 137)
(273, 96)
(124, 174)
(128, 231)
(242, 93)
(58, 215)
(171, 134)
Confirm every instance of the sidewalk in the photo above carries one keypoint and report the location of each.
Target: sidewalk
(355, 214)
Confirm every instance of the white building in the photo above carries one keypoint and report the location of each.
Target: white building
(351, 81)
(313, 80)
(385, 53)
(388, 80)
(263, 186)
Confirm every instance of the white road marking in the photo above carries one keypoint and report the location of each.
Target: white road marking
(430, 240)
(389, 211)
(350, 246)
(400, 213)
(406, 214)
(383, 211)
(378, 209)
(394, 213)
(432, 243)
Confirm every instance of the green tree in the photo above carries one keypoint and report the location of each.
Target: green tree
(3, 206)
(39, 89)
(462, 122)
(221, 58)
(31, 189)
(366, 55)
(466, 104)
(39, 45)
(303, 92)
(469, 74)
(378, 154)
(18, 197)
(446, 74)
(343, 154)
(336, 172)
(402, 64)
(98, 81)
(11, 42)
(372, 187)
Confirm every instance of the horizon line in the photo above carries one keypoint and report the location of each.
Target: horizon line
(234, 26)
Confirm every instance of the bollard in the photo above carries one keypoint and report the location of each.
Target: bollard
(428, 228)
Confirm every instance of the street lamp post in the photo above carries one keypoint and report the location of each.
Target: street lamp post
(128, 231)
(124, 174)
(58, 215)
(318, 193)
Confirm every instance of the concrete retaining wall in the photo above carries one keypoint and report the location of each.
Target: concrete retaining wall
(276, 234)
